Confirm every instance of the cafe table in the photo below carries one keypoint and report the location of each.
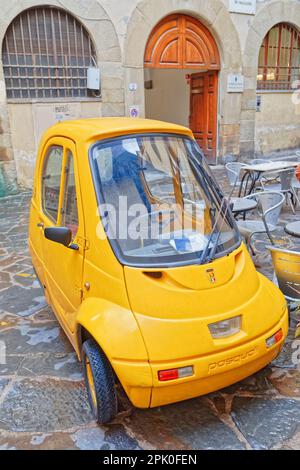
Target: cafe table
(293, 229)
(241, 205)
(252, 173)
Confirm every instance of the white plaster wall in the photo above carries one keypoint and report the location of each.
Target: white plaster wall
(278, 123)
(169, 100)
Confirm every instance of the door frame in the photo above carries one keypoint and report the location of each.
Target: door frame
(177, 25)
(67, 145)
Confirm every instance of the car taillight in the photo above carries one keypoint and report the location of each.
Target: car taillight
(274, 338)
(172, 374)
(224, 328)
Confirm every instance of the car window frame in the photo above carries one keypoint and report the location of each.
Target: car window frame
(121, 258)
(68, 145)
(44, 160)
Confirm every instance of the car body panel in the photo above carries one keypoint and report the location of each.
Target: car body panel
(143, 324)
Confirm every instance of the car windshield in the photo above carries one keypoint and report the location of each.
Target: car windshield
(158, 201)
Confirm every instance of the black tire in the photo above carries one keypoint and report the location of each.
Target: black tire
(104, 405)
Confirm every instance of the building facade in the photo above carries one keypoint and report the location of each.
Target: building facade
(229, 69)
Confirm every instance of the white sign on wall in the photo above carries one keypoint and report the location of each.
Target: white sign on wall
(235, 83)
(45, 115)
(133, 86)
(248, 7)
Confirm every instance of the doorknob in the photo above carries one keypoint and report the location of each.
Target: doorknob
(40, 225)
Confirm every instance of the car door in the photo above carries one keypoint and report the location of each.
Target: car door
(61, 206)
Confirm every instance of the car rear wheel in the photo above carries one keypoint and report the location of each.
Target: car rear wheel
(100, 382)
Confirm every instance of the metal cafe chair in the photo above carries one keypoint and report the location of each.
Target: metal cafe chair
(233, 172)
(269, 205)
(287, 270)
(296, 184)
(285, 186)
(296, 189)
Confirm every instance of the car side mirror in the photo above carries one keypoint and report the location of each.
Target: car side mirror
(62, 235)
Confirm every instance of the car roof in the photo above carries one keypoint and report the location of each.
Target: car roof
(89, 129)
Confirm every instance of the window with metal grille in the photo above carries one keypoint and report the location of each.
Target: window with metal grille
(45, 54)
(279, 58)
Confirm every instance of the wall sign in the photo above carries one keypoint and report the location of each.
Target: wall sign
(45, 115)
(134, 111)
(258, 103)
(133, 86)
(248, 7)
(235, 83)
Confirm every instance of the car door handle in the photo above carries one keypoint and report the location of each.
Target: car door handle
(40, 225)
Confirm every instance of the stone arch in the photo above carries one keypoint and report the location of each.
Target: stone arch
(90, 14)
(181, 41)
(267, 16)
(212, 14)
(217, 19)
(102, 31)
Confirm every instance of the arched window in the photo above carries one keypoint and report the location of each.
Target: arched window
(46, 53)
(279, 58)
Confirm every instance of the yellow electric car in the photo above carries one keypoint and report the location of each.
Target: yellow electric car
(142, 263)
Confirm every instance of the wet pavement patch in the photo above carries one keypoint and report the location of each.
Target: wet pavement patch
(45, 406)
(286, 382)
(117, 436)
(198, 427)
(11, 366)
(54, 365)
(3, 383)
(266, 423)
(32, 339)
(21, 301)
(90, 439)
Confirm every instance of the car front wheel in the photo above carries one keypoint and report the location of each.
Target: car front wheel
(100, 382)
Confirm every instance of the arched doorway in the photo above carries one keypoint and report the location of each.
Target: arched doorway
(181, 77)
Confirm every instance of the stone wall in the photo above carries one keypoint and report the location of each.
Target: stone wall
(120, 30)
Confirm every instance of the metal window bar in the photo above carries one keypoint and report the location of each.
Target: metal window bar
(280, 74)
(45, 54)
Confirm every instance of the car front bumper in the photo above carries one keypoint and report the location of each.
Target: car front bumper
(211, 372)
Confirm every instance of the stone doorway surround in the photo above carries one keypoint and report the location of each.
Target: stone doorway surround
(216, 17)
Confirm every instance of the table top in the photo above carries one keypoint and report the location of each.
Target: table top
(241, 204)
(270, 166)
(293, 229)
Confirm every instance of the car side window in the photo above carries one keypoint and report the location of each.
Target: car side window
(51, 177)
(69, 212)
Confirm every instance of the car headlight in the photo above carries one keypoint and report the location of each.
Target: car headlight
(224, 328)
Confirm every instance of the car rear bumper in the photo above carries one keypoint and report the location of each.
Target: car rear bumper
(211, 373)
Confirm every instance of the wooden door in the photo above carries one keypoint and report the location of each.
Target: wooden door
(203, 111)
(181, 41)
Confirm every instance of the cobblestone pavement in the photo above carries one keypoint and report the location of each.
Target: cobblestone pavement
(43, 402)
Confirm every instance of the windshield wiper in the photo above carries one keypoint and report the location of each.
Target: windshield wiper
(225, 204)
(203, 258)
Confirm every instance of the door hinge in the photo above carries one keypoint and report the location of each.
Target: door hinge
(83, 242)
(80, 290)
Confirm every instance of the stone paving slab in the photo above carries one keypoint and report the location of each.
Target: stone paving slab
(35, 405)
(27, 338)
(266, 423)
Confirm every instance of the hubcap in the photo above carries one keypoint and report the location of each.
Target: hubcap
(91, 383)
